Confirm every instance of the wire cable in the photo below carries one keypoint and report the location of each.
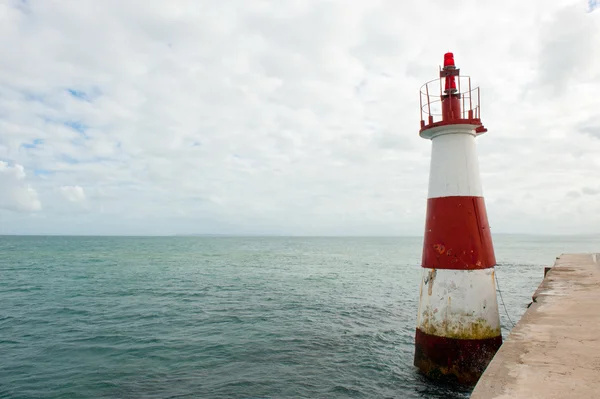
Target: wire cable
(502, 299)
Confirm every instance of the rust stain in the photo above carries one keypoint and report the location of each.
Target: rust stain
(440, 248)
(429, 281)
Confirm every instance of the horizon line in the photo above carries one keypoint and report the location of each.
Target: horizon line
(256, 235)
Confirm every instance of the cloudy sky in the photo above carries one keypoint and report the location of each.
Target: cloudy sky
(288, 117)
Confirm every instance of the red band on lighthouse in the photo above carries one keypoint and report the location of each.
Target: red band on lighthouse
(458, 325)
(457, 235)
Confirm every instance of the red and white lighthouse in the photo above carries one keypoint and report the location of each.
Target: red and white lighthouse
(458, 325)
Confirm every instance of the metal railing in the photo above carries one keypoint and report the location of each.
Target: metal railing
(430, 100)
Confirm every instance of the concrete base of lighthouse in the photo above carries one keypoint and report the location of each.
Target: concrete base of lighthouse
(452, 359)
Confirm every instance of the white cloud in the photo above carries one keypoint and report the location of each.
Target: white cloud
(73, 193)
(295, 117)
(15, 194)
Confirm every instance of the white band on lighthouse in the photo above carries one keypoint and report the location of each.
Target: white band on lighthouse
(458, 304)
(454, 167)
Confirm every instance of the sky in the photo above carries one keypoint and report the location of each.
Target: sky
(296, 117)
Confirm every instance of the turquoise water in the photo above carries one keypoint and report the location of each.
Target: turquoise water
(184, 317)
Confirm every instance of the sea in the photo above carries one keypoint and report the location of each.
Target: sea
(231, 317)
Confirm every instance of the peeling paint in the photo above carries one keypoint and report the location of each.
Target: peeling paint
(430, 279)
(440, 248)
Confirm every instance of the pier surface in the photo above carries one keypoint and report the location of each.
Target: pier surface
(554, 350)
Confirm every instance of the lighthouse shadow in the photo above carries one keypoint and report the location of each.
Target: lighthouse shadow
(427, 388)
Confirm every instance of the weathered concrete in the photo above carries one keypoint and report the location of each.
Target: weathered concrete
(554, 350)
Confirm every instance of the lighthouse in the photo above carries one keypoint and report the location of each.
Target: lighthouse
(458, 325)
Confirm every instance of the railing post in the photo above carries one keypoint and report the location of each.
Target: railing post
(421, 104)
(478, 104)
(470, 96)
(428, 102)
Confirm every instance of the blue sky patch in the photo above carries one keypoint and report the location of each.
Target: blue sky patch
(33, 144)
(78, 94)
(85, 95)
(78, 126)
(42, 172)
(68, 159)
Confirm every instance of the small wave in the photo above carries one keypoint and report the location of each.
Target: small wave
(346, 390)
(21, 289)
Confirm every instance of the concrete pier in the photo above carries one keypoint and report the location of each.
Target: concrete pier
(554, 350)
